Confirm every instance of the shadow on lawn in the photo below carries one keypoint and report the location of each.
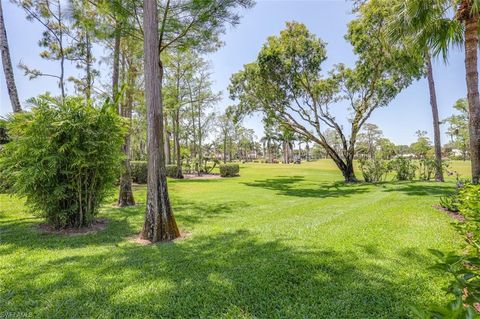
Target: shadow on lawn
(189, 213)
(298, 186)
(231, 275)
(420, 188)
(292, 186)
(122, 222)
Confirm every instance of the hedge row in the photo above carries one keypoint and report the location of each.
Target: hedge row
(140, 171)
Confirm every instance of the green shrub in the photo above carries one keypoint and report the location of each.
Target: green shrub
(63, 158)
(139, 171)
(463, 269)
(374, 170)
(450, 202)
(229, 170)
(403, 168)
(426, 168)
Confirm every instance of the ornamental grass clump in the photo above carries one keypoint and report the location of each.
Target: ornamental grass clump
(64, 158)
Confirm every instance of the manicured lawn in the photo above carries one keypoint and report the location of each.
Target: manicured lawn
(278, 242)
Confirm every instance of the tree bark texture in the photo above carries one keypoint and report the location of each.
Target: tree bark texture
(160, 224)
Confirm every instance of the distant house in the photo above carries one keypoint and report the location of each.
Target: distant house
(408, 155)
(456, 152)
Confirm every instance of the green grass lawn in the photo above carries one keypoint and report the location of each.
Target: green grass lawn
(278, 242)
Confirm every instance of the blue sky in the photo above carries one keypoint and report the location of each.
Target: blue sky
(410, 111)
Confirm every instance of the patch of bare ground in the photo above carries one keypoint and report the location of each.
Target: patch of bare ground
(454, 215)
(203, 176)
(144, 242)
(97, 225)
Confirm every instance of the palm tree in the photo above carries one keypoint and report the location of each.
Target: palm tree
(421, 24)
(268, 139)
(7, 65)
(286, 137)
(433, 27)
(468, 14)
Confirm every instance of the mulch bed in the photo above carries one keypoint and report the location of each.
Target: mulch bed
(137, 240)
(203, 176)
(98, 224)
(454, 215)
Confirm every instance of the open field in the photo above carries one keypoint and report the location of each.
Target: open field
(277, 242)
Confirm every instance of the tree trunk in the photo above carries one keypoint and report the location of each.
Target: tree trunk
(7, 65)
(346, 167)
(224, 148)
(62, 55)
(159, 222)
(125, 195)
(176, 140)
(436, 121)
(471, 47)
(200, 155)
(168, 153)
(116, 62)
(348, 173)
(88, 61)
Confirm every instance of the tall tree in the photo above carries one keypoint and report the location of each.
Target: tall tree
(56, 38)
(420, 24)
(7, 65)
(458, 127)
(433, 22)
(186, 24)
(286, 81)
(129, 48)
(159, 222)
(468, 14)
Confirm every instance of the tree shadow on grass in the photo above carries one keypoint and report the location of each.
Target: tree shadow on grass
(299, 187)
(189, 213)
(122, 222)
(228, 275)
(419, 188)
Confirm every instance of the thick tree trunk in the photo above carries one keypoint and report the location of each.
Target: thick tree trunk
(348, 173)
(125, 195)
(436, 121)
(471, 60)
(7, 65)
(159, 222)
(346, 167)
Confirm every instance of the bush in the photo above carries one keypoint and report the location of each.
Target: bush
(64, 158)
(404, 169)
(374, 170)
(463, 269)
(139, 171)
(450, 202)
(427, 167)
(229, 170)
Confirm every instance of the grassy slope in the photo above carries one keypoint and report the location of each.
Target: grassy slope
(276, 242)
